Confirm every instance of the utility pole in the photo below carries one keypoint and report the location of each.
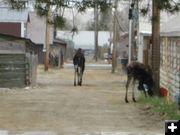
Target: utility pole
(156, 46)
(115, 38)
(130, 29)
(135, 30)
(47, 43)
(96, 17)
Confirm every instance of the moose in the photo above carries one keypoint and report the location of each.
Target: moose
(79, 66)
(137, 71)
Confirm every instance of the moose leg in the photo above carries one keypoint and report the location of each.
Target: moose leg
(75, 72)
(80, 83)
(79, 74)
(127, 85)
(145, 93)
(75, 78)
(133, 95)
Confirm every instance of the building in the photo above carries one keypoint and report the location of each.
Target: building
(85, 39)
(18, 62)
(13, 22)
(170, 56)
(57, 53)
(36, 31)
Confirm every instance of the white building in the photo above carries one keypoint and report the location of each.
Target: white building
(13, 22)
(85, 39)
(36, 29)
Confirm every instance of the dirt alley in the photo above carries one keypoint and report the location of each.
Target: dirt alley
(56, 105)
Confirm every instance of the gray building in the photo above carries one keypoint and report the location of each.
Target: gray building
(36, 29)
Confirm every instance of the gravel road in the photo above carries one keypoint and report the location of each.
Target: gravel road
(55, 105)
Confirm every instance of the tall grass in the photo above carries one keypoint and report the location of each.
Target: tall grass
(162, 105)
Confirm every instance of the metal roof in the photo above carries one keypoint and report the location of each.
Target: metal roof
(60, 41)
(10, 37)
(10, 15)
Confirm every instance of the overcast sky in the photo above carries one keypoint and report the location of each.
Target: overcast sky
(85, 39)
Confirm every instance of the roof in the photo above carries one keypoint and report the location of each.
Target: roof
(172, 27)
(10, 37)
(10, 15)
(59, 41)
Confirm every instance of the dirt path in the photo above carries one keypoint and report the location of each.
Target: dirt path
(56, 105)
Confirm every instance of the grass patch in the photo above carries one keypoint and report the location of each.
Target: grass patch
(161, 105)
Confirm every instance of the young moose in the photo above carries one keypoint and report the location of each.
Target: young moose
(79, 66)
(142, 73)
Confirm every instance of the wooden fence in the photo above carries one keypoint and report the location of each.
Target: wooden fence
(170, 65)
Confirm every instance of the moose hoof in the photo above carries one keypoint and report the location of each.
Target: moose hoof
(134, 100)
(126, 101)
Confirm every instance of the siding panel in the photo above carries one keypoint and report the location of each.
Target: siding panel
(13, 29)
(12, 70)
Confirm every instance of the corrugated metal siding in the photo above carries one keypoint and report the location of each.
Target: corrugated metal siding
(13, 29)
(170, 65)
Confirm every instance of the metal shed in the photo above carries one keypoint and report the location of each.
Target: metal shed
(18, 62)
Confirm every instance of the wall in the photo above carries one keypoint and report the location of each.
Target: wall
(36, 29)
(40, 53)
(13, 29)
(57, 54)
(170, 64)
(18, 62)
(12, 73)
(11, 47)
